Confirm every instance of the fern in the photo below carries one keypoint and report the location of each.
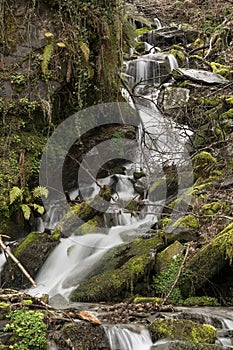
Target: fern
(15, 193)
(26, 211)
(38, 208)
(40, 191)
(47, 54)
(85, 50)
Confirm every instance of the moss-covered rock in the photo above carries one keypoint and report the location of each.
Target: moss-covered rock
(203, 165)
(208, 261)
(123, 271)
(182, 330)
(32, 253)
(187, 221)
(74, 220)
(169, 254)
(85, 336)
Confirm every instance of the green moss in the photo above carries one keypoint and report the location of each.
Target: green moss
(148, 300)
(56, 234)
(226, 71)
(229, 100)
(122, 271)
(227, 115)
(89, 226)
(201, 301)
(203, 164)
(187, 221)
(142, 31)
(182, 330)
(29, 328)
(178, 52)
(32, 238)
(214, 207)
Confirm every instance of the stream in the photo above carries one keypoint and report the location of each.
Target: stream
(160, 141)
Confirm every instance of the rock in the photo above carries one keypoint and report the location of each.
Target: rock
(164, 36)
(208, 261)
(200, 76)
(172, 99)
(182, 330)
(32, 253)
(122, 271)
(181, 345)
(168, 255)
(85, 336)
(227, 183)
(58, 301)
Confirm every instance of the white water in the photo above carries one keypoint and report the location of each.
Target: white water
(128, 338)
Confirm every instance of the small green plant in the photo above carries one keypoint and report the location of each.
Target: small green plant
(163, 282)
(26, 203)
(18, 79)
(30, 329)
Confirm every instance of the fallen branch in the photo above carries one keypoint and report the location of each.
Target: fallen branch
(20, 266)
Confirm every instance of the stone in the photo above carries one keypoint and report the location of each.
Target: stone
(200, 76)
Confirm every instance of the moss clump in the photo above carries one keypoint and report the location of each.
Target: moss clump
(147, 300)
(213, 208)
(225, 71)
(203, 165)
(201, 301)
(182, 330)
(187, 221)
(89, 226)
(142, 31)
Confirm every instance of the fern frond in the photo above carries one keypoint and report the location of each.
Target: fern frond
(40, 191)
(38, 208)
(26, 211)
(85, 50)
(47, 54)
(15, 193)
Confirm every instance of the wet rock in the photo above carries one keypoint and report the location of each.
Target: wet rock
(32, 253)
(200, 76)
(164, 36)
(122, 271)
(85, 336)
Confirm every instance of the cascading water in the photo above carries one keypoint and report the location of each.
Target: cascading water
(132, 338)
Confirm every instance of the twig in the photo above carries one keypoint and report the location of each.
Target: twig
(178, 274)
(8, 252)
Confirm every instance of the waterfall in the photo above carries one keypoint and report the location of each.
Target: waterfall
(132, 338)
